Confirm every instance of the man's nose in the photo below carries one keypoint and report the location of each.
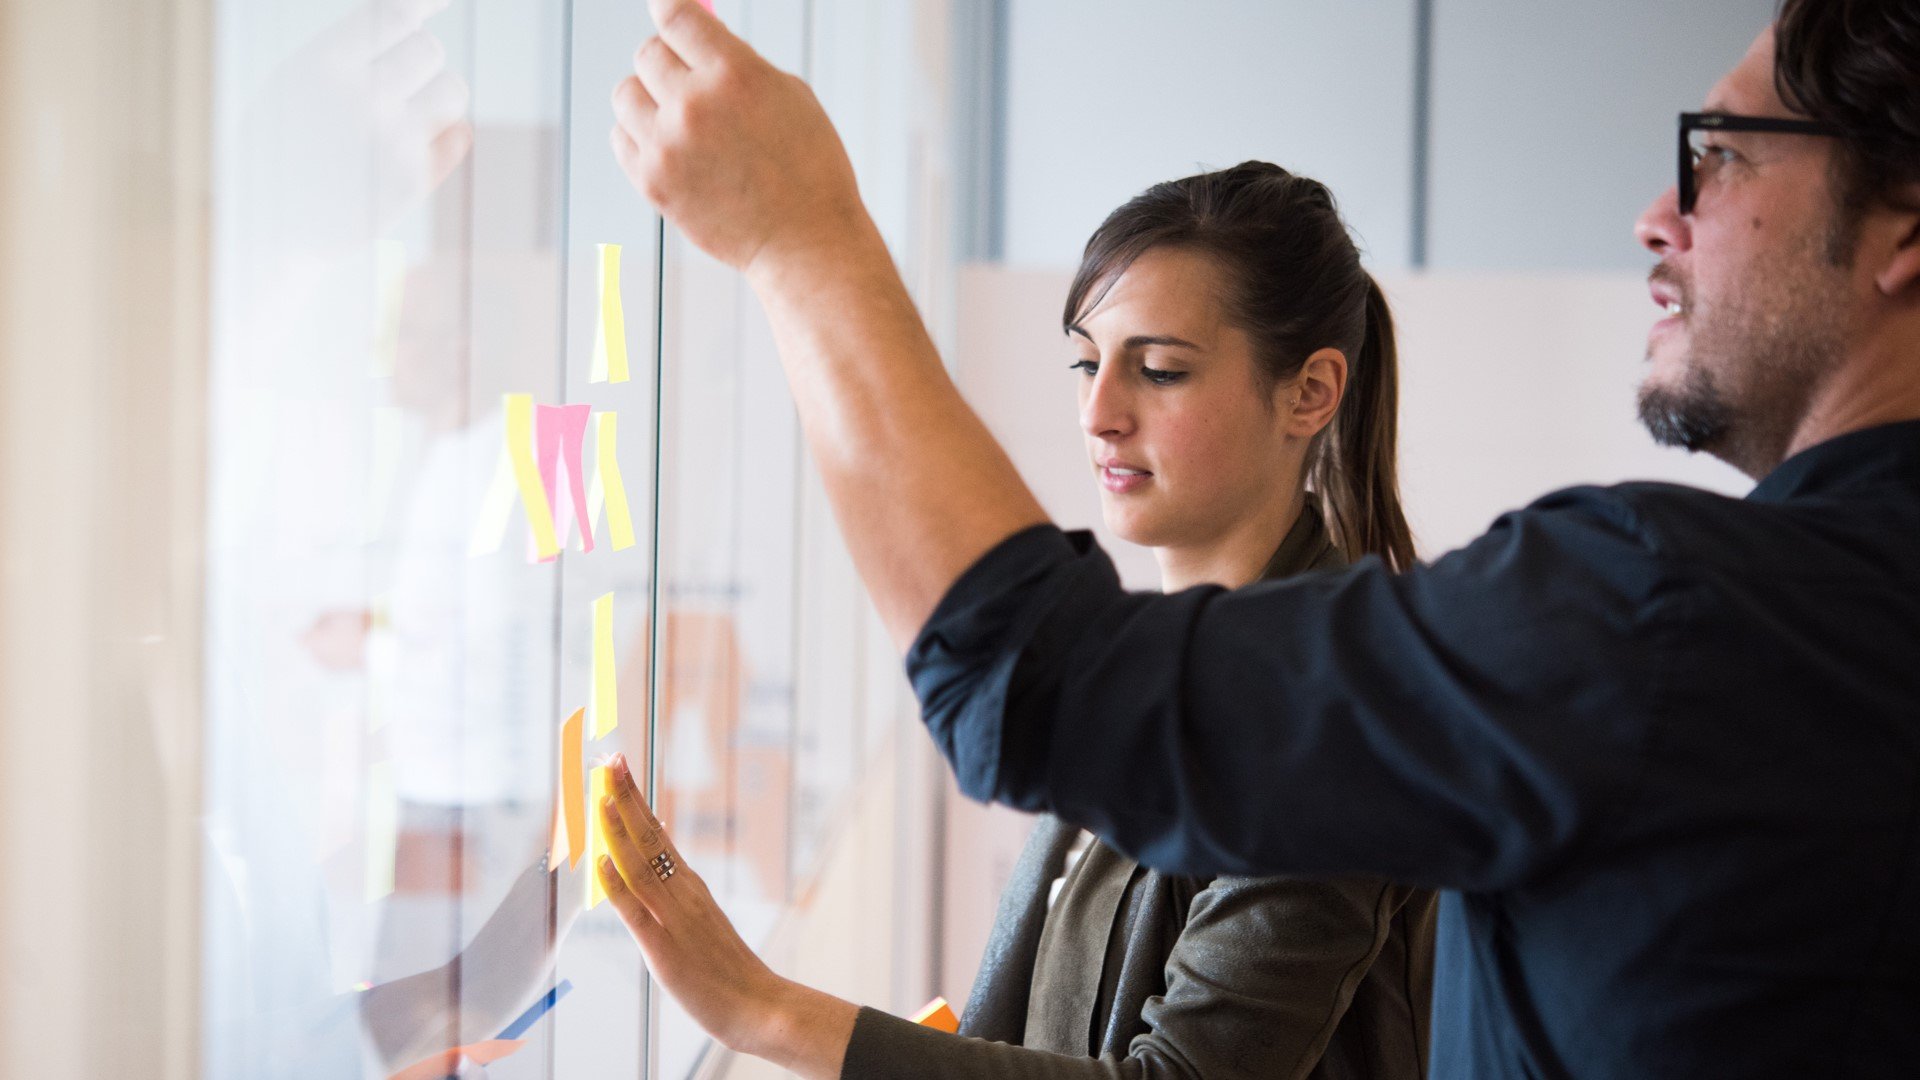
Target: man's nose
(1662, 228)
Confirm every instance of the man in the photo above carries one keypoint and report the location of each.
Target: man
(1662, 747)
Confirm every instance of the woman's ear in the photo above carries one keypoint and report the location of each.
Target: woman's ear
(1313, 397)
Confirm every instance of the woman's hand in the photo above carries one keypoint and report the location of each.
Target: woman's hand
(694, 951)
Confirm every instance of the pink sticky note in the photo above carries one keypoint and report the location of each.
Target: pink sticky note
(447, 1062)
(708, 4)
(560, 433)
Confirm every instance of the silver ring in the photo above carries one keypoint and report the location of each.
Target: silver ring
(663, 866)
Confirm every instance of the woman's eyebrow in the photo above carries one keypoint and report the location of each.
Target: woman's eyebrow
(1138, 341)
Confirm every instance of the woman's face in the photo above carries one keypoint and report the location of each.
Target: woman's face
(1186, 440)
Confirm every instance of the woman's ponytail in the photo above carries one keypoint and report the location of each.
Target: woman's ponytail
(1354, 471)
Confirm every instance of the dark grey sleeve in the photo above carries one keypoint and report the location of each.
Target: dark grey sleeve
(1260, 977)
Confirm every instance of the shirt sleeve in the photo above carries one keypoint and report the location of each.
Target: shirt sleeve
(1460, 725)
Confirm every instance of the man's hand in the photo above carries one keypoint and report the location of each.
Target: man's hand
(736, 153)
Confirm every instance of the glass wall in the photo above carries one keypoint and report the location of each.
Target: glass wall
(506, 478)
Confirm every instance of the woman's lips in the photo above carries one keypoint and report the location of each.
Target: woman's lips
(1121, 480)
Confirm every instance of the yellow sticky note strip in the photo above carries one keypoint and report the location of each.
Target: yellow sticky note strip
(610, 339)
(606, 689)
(939, 1015)
(382, 830)
(570, 816)
(596, 838)
(526, 473)
(607, 482)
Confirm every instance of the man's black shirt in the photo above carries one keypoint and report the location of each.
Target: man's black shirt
(1662, 747)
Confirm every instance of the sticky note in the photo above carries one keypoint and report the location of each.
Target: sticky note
(559, 434)
(526, 474)
(708, 4)
(598, 789)
(382, 833)
(610, 339)
(570, 816)
(496, 506)
(938, 1014)
(607, 485)
(606, 689)
(447, 1062)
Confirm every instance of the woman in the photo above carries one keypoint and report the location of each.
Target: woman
(1238, 398)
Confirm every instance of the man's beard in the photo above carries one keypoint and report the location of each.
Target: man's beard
(1693, 416)
(1753, 366)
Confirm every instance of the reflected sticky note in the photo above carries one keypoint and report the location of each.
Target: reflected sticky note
(606, 688)
(607, 485)
(938, 1014)
(570, 816)
(597, 790)
(490, 528)
(560, 434)
(610, 338)
(447, 1062)
(526, 474)
(382, 835)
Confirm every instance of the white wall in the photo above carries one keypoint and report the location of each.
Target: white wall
(1551, 123)
(1105, 97)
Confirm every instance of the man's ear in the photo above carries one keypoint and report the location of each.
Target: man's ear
(1901, 272)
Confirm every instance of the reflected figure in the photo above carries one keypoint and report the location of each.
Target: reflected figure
(340, 140)
(1238, 389)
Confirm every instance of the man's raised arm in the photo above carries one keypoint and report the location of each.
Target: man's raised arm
(742, 159)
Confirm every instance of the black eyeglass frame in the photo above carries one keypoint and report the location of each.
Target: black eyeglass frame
(1691, 122)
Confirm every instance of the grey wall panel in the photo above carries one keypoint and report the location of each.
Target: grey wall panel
(1553, 122)
(1105, 97)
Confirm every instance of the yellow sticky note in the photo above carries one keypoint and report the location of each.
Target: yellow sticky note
(526, 473)
(939, 1015)
(570, 817)
(610, 339)
(607, 483)
(601, 784)
(606, 689)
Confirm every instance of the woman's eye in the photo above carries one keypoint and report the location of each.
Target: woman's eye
(1162, 378)
(1091, 367)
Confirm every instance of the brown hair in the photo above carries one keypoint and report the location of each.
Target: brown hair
(1856, 64)
(1295, 286)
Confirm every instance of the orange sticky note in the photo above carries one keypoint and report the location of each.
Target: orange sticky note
(447, 1062)
(596, 836)
(606, 692)
(939, 1015)
(570, 817)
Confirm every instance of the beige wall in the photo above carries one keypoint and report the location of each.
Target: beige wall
(102, 248)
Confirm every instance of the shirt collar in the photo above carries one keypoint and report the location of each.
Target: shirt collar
(1871, 455)
(1306, 547)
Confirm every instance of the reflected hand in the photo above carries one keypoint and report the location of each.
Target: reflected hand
(694, 951)
(736, 153)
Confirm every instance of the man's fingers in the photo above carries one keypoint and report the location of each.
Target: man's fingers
(696, 34)
(660, 71)
(633, 107)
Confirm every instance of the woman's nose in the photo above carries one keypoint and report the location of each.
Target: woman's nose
(1105, 411)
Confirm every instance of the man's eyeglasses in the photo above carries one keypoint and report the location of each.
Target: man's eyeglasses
(1693, 125)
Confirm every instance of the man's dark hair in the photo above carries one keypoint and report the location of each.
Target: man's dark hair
(1856, 64)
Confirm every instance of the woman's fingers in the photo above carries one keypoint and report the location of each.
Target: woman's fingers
(659, 69)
